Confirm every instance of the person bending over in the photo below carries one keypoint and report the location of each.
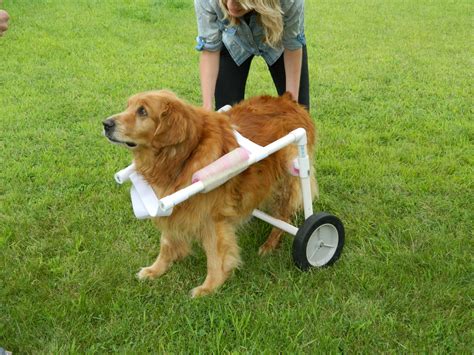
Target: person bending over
(232, 32)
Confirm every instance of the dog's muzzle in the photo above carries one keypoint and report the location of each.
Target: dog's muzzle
(109, 125)
(109, 128)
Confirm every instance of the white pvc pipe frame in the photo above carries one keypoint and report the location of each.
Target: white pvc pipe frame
(298, 137)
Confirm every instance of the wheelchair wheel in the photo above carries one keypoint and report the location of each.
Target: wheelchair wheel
(319, 241)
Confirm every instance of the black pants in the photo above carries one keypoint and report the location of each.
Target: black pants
(231, 80)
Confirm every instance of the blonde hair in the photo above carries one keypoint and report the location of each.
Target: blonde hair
(269, 14)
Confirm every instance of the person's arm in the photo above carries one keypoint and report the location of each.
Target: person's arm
(293, 41)
(209, 69)
(209, 43)
(293, 59)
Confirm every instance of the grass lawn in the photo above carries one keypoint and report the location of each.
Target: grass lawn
(391, 93)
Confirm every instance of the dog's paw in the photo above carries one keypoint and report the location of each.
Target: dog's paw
(147, 273)
(266, 249)
(200, 291)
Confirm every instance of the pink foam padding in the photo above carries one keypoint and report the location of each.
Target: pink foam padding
(292, 168)
(226, 162)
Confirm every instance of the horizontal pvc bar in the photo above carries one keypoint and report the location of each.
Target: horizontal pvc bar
(286, 227)
(298, 135)
(181, 195)
(124, 174)
(247, 143)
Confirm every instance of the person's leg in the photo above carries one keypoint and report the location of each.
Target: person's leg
(231, 80)
(277, 70)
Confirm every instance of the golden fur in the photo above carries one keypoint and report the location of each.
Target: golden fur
(171, 139)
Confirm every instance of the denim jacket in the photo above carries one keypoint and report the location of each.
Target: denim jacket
(244, 40)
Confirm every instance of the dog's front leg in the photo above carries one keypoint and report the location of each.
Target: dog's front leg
(170, 250)
(222, 252)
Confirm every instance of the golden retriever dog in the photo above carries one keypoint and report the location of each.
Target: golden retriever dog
(170, 140)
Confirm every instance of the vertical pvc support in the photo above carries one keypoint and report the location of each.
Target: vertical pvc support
(305, 172)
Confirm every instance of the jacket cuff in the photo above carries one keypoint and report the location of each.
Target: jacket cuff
(295, 43)
(207, 46)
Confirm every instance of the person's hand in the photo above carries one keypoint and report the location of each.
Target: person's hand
(3, 22)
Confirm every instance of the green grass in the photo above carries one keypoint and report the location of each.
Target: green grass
(391, 91)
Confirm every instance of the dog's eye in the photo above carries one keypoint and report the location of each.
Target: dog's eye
(141, 111)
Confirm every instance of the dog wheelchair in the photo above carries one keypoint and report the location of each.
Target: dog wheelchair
(318, 241)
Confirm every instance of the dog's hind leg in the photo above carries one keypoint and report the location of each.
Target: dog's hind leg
(171, 249)
(286, 202)
(222, 252)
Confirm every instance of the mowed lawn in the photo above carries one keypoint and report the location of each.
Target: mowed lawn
(391, 94)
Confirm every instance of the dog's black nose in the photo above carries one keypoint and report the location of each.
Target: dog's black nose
(109, 123)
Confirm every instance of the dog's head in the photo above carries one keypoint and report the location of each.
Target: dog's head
(153, 119)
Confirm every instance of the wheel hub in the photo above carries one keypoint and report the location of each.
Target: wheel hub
(322, 245)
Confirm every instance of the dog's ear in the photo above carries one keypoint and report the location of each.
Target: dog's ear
(172, 125)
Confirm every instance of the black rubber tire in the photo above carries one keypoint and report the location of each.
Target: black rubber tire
(305, 232)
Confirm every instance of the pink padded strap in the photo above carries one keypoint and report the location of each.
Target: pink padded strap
(221, 165)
